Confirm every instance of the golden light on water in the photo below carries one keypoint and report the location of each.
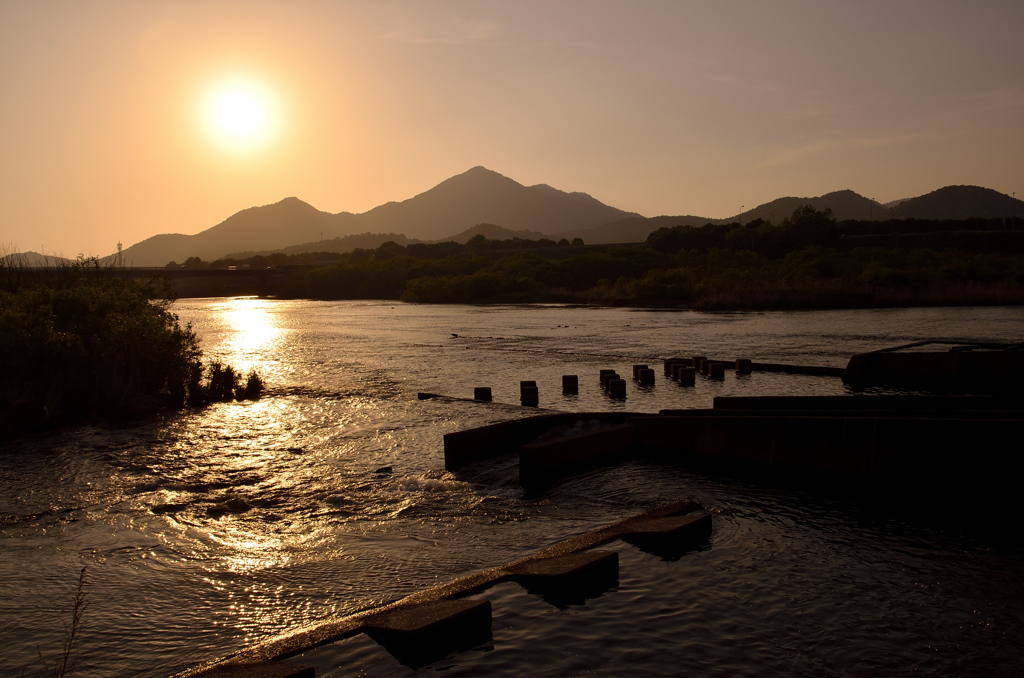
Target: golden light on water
(252, 331)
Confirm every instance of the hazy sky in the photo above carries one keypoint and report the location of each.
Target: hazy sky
(109, 128)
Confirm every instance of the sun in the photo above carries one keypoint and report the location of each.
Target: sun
(240, 114)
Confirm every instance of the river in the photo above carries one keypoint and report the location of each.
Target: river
(205, 531)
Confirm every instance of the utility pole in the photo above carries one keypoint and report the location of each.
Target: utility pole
(120, 264)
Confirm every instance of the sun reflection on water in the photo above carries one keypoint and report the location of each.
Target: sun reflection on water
(252, 329)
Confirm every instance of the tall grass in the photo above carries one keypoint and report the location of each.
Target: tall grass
(80, 342)
(65, 665)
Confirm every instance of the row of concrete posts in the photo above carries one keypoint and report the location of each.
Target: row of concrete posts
(684, 370)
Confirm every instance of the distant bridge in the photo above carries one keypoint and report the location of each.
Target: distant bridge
(161, 272)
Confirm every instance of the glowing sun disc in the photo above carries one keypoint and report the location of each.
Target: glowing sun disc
(239, 114)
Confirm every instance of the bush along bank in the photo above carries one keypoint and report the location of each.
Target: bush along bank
(81, 344)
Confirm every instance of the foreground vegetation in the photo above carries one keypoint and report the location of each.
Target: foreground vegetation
(81, 343)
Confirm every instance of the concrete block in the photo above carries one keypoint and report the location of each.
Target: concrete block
(686, 376)
(570, 384)
(716, 371)
(563, 580)
(671, 537)
(743, 365)
(636, 371)
(673, 361)
(544, 462)
(419, 634)
(646, 377)
(602, 374)
(617, 388)
(482, 393)
(529, 395)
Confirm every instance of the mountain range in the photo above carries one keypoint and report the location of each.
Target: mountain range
(483, 201)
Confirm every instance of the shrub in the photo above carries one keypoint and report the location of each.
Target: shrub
(79, 342)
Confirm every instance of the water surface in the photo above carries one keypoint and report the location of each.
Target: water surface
(205, 531)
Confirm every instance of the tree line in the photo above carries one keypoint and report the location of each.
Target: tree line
(808, 260)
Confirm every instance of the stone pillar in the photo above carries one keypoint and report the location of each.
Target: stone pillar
(673, 361)
(617, 388)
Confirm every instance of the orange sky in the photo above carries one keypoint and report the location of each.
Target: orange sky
(655, 107)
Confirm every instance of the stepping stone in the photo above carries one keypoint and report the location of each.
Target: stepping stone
(669, 538)
(573, 569)
(261, 670)
(570, 579)
(672, 527)
(419, 634)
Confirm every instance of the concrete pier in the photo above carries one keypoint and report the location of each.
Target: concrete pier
(921, 440)
(476, 444)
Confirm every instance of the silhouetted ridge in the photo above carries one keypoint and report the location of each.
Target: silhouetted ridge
(483, 196)
(960, 202)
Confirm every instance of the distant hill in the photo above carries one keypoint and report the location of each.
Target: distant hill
(456, 204)
(960, 202)
(258, 228)
(369, 241)
(481, 196)
(32, 259)
(892, 203)
(630, 229)
(480, 199)
(341, 244)
(844, 204)
(494, 232)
